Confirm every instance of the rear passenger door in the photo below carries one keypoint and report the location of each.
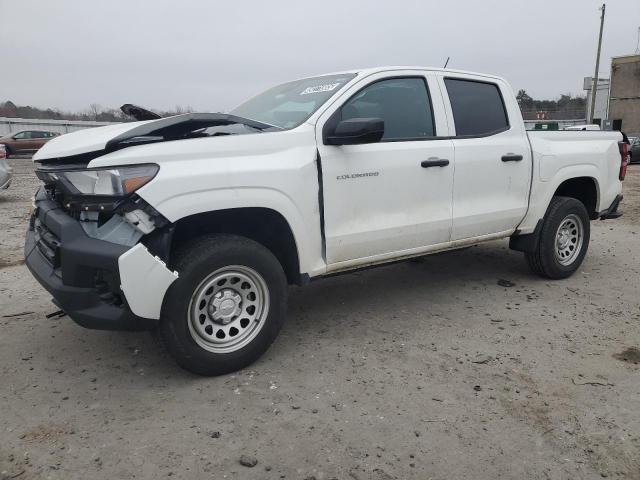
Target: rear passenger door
(492, 157)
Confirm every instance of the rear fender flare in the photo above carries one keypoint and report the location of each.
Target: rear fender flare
(543, 192)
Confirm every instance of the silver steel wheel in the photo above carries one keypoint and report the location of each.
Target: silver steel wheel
(569, 238)
(228, 309)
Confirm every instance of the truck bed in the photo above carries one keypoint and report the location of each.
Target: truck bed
(560, 155)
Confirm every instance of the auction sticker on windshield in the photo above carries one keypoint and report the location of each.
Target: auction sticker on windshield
(320, 88)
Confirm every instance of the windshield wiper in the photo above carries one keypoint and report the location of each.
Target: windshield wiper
(254, 122)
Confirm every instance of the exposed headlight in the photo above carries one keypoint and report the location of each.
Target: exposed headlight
(109, 181)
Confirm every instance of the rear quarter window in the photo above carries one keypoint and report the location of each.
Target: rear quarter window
(478, 107)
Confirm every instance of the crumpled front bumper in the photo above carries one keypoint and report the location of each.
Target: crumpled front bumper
(83, 274)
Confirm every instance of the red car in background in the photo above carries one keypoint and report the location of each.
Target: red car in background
(28, 141)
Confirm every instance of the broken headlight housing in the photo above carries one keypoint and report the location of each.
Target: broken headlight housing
(110, 181)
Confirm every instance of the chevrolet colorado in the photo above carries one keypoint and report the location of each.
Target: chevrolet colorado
(196, 224)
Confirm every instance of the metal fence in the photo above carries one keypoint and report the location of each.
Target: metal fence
(14, 125)
(554, 114)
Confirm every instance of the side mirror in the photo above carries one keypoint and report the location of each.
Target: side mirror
(356, 131)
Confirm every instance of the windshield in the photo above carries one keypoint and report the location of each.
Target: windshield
(288, 105)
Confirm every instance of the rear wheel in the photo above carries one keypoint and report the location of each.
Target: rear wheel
(563, 241)
(227, 306)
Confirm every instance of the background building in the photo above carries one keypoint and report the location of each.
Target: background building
(624, 95)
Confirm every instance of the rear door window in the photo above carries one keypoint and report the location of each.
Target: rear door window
(478, 107)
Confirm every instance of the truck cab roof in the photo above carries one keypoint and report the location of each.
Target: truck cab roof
(364, 72)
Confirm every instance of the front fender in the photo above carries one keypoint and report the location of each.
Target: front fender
(306, 234)
(277, 171)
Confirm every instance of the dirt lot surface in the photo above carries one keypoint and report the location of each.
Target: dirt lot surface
(461, 366)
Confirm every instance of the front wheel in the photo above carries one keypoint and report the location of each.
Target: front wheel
(226, 307)
(563, 241)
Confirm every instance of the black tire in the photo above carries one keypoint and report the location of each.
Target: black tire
(544, 260)
(7, 150)
(195, 263)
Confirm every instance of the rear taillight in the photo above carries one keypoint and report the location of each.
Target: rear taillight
(624, 159)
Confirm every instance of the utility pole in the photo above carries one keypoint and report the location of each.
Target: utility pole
(594, 87)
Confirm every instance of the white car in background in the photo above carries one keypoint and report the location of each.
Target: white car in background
(5, 169)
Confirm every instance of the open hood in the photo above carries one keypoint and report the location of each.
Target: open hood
(81, 142)
(84, 145)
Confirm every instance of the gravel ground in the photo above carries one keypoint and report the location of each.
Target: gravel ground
(459, 366)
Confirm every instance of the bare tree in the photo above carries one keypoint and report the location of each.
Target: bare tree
(94, 110)
(179, 110)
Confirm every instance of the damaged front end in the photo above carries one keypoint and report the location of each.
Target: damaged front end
(99, 248)
(93, 243)
(104, 200)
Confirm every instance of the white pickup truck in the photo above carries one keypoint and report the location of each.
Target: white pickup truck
(196, 224)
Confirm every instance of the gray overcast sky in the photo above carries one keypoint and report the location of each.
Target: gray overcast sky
(213, 54)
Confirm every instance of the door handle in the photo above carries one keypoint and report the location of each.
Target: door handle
(434, 162)
(510, 157)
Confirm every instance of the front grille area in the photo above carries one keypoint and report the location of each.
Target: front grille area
(100, 208)
(47, 243)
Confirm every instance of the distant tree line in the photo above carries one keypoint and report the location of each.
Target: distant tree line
(94, 112)
(565, 108)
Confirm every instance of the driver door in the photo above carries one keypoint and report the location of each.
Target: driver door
(392, 197)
